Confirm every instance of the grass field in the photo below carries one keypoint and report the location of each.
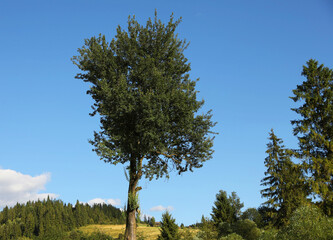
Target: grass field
(150, 233)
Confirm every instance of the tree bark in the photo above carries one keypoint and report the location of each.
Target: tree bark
(135, 174)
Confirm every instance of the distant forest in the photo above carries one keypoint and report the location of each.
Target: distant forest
(50, 218)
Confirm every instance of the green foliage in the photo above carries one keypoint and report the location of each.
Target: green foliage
(254, 215)
(140, 236)
(232, 236)
(284, 181)
(269, 234)
(224, 229)
(169, 229)
(314, 129)
(307, 223)
(186, 234)
(226, 209)
(266, 216)
(147, 102)
(207, 230)
(133, 201)
(152, 221)
(247, 229)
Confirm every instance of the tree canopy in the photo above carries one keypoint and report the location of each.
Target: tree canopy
(146, 100)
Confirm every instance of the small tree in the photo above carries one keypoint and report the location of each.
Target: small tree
(169, 229)
(247, 229)
(152, 221)
(147, 104)
(207, 229)
(285, 189)
(226, 209)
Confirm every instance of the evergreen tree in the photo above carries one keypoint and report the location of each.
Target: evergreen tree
(169, 229)
(226, 209)
(315, 129)
(29, 225)
(284, 181)
(147, 104)
(207, 229)
(152, 221)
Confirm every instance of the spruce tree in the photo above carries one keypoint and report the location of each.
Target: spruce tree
(314, 129)
(226, 209)
(147, 104)
(284, 182)
(152, 221)
(169, 229)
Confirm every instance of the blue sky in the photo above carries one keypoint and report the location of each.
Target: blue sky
(247, 54)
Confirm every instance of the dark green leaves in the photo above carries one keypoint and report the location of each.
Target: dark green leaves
(145, 98)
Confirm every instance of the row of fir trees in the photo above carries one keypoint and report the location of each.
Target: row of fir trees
(42, 219)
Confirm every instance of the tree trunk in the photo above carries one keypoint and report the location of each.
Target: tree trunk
(130, 233)
(132, 202)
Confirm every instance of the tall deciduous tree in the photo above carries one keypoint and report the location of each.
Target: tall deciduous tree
(147, 104)
(284, 182)
(315, 129)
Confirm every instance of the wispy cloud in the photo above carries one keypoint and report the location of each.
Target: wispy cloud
(113, 202)
(16, 187)
(161, 208)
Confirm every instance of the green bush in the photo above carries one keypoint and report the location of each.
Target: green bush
(207, 230)
(254, 215)
(307, 223)
(247, 229)
(186, 234)
(269, 234)
(232, 236)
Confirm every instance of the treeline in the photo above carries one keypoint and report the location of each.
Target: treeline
(228, 222)
(43, 219)
(298, 183)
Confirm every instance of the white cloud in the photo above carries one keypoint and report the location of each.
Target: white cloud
(113, 202)
(160, 208)
(16, 187)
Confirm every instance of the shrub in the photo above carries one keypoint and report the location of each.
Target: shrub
(307, 223)
(207, 230)
(247, 229)
(232, 236)
(186, 234)
(269, 234)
